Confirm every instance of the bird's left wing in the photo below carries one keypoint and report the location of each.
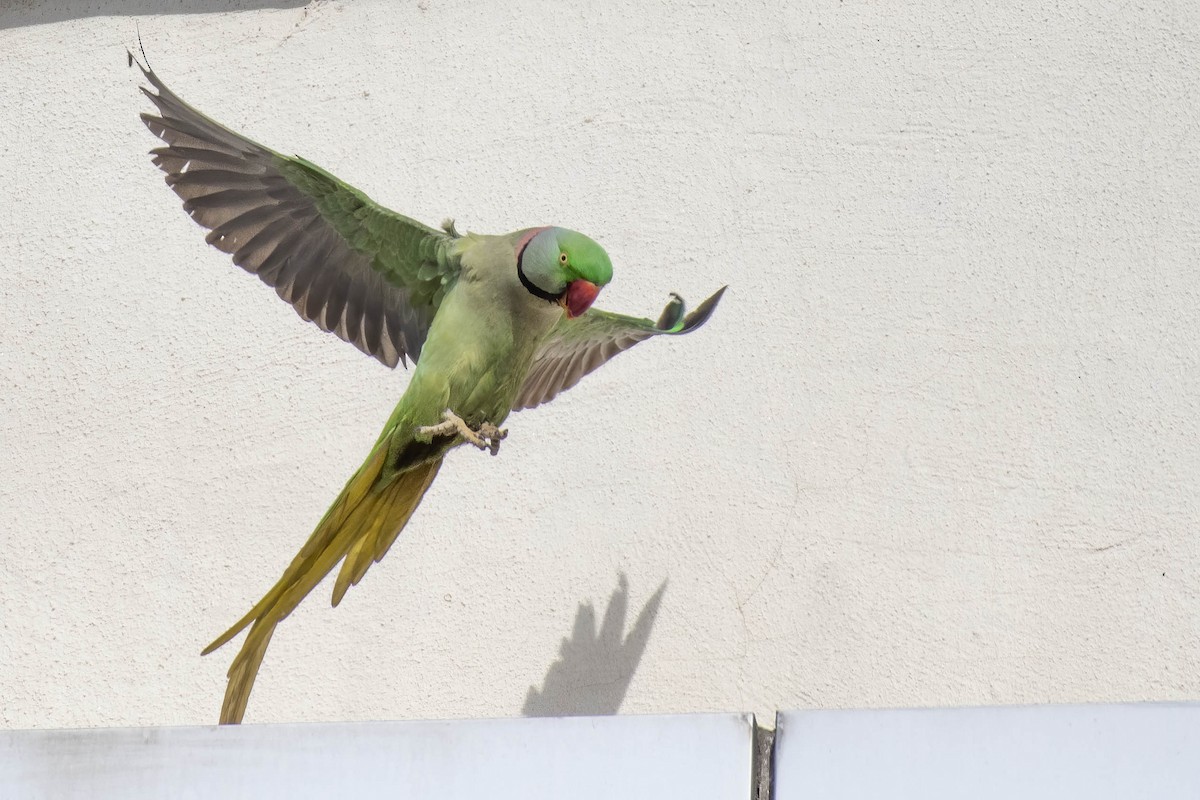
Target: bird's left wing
(362, 271)
(575, 347)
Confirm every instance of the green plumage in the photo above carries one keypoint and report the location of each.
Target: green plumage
(482, 316)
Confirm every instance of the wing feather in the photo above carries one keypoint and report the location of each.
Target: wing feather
(575, 347)
(345, 263)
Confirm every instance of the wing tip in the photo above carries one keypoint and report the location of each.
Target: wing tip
(148, 73)
(675, 319)
(702, 312)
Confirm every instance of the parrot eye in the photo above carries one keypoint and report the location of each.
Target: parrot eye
(562, 258)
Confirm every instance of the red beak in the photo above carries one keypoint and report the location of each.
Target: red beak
(579, 297)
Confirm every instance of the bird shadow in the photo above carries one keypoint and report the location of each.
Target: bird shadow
(18, 13)
(594, 670)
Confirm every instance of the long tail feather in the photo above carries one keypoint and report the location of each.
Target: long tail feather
(360, 525)
(368, 549)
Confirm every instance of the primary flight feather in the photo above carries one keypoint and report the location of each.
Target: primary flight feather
(492, 323)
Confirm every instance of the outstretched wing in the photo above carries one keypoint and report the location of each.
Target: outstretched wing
(370, 275)
(575, 347)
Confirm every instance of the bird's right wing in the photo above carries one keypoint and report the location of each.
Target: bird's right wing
(370, 275)
(575, 347)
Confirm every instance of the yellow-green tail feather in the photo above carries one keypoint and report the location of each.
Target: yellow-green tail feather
(360, 526)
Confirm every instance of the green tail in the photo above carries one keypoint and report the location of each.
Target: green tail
(360, 526)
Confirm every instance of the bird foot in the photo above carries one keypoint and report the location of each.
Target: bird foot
(486, 437)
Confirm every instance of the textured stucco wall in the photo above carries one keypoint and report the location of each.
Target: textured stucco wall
(938, 446)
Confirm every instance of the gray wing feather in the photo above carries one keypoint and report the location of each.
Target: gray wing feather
(576, 347)
(231, 185)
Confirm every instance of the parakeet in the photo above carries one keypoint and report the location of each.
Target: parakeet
(491, 323)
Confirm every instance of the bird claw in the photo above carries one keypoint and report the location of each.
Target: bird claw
(486, 437)
(493, 435)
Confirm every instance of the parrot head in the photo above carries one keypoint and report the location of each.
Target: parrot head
(563, 267)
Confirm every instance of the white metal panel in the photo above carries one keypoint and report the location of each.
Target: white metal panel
(652, 757)
(1052, 752)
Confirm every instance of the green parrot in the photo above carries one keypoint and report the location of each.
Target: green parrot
(492, 323)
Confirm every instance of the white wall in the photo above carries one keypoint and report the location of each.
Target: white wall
(938, 446)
